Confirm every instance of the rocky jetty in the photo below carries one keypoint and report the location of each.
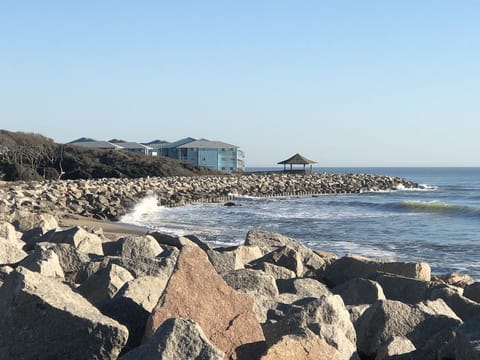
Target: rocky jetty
(111, 198)
(76, 294)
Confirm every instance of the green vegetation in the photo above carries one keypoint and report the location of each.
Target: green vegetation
(26, 156)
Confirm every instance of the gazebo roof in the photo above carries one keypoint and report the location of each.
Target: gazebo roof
(297, 159)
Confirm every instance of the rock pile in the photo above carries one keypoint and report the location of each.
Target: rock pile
(111, 198)
(72, 293)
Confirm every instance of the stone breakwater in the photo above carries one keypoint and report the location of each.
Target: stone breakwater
(75, 294)
(111, 198)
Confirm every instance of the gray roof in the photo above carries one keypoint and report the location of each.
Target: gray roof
(297, 159)
(97, 144)
(180, 142)
(207, 144)
(132, 145)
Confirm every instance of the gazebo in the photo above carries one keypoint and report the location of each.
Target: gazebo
(296, 159)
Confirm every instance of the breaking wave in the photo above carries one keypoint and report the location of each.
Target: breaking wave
(439, 207)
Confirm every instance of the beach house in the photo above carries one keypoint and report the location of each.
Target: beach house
(216, 155)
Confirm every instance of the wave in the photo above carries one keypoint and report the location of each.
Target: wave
(439, 207)
(401, 187)
(142, 208)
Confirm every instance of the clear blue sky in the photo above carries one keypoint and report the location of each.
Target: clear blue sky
(346, 83)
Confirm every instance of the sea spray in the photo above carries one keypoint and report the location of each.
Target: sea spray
(143, 208)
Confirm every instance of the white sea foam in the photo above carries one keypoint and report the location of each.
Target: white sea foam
(141, 209)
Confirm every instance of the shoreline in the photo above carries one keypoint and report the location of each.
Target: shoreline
(109, 199)
(255, 300)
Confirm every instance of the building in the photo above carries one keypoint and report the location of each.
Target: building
(137, 148)
(94, 144)
(215, 155)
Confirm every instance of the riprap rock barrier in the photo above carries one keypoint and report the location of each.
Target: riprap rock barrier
(111, 198)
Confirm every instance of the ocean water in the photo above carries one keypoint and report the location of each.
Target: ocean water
(439, 225)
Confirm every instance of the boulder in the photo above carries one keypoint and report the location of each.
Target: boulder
(176, 339)
(11, 251)
(260, 286)
(44, 261)
(465, 308)
(455, 279)
(303, 345)
(326, 317)
(70, 259)
(350, 267)
(146, 266)
(269, 241)
(83, 241)
(356, 311)
(278, 272)
(405, 289)
(104, 284)
(132, 304)
(223, 262)
(472, 292)
(45, 319)
(33, 225)
(284, 256)
(427, 324)
(359, 291)
(8, 232)
(300, 288)
(397, 345)
(178, 241)
(195, 291)
(133, 247)
(233, 258)
(467, 340)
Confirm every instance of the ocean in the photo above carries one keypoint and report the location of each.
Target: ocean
(439, 224)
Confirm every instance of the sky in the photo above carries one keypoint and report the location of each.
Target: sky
(345, 83)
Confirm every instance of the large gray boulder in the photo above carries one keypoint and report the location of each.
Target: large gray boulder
(45, 319)
(33, 225)
(102, 286)
(132, 304)
(454, 279)
(176, 339)
(83, 241)
(426, 325)
(139, 267)
(405, 289)
(465, 308)
(284, 256)
(350, 267)
(260, 286)
(467, 340)
(44, 261)
(269, 241)
(133, 247)
(233, 258)
(327, 317)
(293, 290)
(359, 291)
(11, 251)
(70, 259)
(178, 241)
(8, 232)
(278, 272)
